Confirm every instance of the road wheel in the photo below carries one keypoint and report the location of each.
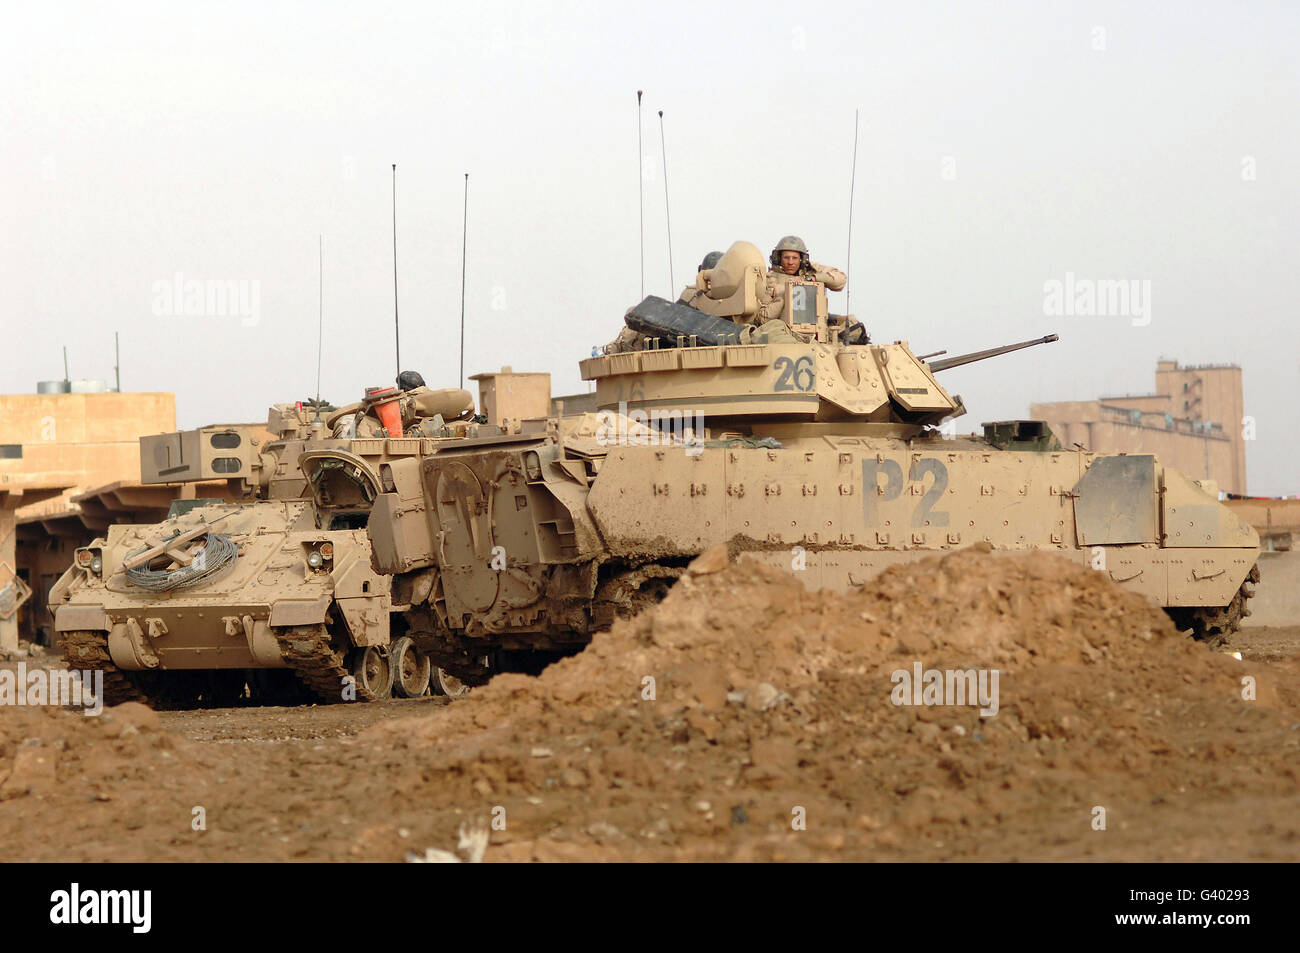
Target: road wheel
(410, 668)
(449, 685)
(1215, 625)
(374, 675)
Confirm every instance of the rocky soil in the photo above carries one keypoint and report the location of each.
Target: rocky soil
(744, 718)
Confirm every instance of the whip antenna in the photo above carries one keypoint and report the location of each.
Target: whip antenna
(640, 188)
(464, 242)
(320, 319)
(397, 335)
(853, 178)
(667, 214)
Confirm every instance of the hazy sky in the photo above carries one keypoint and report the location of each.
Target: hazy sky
(1002, 146)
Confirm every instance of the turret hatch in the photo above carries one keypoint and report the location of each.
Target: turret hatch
(339, 481)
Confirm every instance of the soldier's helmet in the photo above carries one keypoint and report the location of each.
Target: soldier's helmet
(789, 243)
(409, 380)
(710, 261)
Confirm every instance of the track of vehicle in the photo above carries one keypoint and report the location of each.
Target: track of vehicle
(1215, 625)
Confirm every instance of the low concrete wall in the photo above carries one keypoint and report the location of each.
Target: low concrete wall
(1277, 598)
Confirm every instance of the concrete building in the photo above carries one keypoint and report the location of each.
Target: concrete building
(14, 588)
(509, 396)
(584, 403)
(53, 446)
(1193, 422)
(78, 440)
(1278, 521)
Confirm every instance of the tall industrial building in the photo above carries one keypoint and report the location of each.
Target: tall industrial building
(1193, 422)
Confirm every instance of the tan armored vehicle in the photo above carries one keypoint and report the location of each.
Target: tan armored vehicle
(788, 446)
(276, 585)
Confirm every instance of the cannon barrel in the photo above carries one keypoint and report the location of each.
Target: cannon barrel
(973, 356)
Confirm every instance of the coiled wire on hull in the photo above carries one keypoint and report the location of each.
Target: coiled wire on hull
(215, 559)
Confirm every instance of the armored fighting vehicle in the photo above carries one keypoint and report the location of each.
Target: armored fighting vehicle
(788, 446)
(273, 590)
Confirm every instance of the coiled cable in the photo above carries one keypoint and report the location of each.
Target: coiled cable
(214, 560)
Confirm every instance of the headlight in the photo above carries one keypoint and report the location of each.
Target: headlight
(315, 560)
(90, 560)
(327, 550)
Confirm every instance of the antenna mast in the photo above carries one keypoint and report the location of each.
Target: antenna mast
(853, 179)
(397, 335)
(464, 244)
(320, 319)
(117, 361)
(640, 188)
(667, 214)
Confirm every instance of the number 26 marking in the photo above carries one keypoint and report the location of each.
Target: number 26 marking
(794, 375)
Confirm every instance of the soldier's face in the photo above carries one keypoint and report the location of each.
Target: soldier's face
(790, 261)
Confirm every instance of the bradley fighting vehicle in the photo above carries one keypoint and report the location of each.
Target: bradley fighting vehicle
(777, 441)
(276, 582)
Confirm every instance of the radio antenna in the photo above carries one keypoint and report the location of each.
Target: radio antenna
(848, 255)
(667, 214)
(117, 361)
(640, 188)
(397, 335)
(464, 244)
(320, 318)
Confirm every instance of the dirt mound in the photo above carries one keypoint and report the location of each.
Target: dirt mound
(707, 726)
(743, 718)
(730, 632)
(51, 755)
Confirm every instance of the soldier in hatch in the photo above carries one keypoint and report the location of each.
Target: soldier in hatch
(410, 380)
(693, 290)
(414, 404)
(790, 260)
